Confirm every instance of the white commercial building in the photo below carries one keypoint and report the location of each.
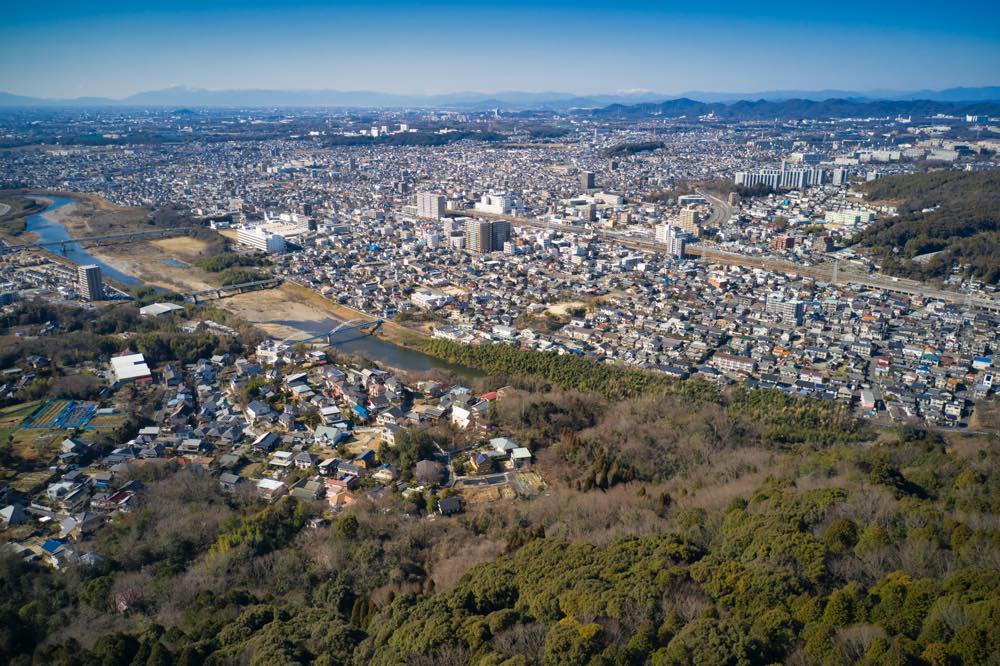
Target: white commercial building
(130, 368)
(848, 217)
(261, 239)
(499, 204)
(430, 300)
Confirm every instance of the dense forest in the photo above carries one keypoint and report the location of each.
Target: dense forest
(955, 214)
(627, 149)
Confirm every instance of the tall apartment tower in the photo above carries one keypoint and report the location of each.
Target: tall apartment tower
(674, 238)
(430, 206)
(499, 234)
(484, 236)
(478, 236)
(689, 221)
(89, 285)
(587, 180)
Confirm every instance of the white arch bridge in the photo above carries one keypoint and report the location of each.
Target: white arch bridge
(371, 325)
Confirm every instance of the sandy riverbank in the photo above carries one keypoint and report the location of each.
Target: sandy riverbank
(167, 262)
(92, 215)
(276, 312)
(167, 277)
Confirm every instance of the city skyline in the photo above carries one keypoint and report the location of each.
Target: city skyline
(114, 50)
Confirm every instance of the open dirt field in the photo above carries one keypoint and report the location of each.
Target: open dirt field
(562, 309)
(276, 312)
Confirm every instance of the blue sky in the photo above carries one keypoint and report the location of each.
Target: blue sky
(117, 48)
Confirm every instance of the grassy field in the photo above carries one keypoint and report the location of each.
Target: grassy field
(37, 446)
(14, 205)
(14, 208)
(49, 412)
(90, 215)
(11, 417)
(28, 445)
(108, 422)
(31, 482)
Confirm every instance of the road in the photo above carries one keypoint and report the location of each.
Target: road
(722, 211)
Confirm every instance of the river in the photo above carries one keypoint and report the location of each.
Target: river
(350, 342)
(381, 351)
(48, 229)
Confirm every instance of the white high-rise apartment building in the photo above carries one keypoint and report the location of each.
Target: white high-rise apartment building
(430, 206)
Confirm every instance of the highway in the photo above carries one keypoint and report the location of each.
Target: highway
(721, 211)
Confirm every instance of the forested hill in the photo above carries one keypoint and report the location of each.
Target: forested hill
(809, 572)
(953, 213)
(793, 108)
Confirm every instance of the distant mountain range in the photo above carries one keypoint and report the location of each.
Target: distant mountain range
(180, 96)
(794, 109)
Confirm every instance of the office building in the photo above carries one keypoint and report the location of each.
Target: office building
(499, 234)
(807, 158)
(432, 239)
(478, 236)
(783, 243)
(90, 286)
(587, 180)
(789, 310)
(430, 206)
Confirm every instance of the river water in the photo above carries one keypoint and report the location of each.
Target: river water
(349, 342)
(48, 229)
(379, 350)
